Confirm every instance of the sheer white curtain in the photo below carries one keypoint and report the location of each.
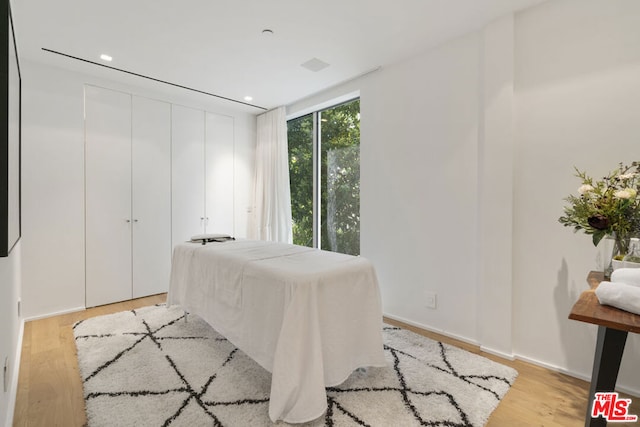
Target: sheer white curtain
(272, 195)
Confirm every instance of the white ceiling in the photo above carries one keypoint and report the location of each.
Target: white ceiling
(218, 47)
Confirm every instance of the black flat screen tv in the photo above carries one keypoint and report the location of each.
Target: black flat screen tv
(10, 106)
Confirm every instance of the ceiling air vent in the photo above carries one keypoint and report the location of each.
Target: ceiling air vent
(314, 65)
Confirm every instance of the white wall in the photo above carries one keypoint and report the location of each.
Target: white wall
(577, 83)
(495, 188)
(421, 140)
(419, 130)
(10, 326)
(53, 179)
(467, 151)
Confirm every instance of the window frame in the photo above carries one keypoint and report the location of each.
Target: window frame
(316, 114)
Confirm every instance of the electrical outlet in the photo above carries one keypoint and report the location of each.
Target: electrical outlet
(430, 299)
(5, 374)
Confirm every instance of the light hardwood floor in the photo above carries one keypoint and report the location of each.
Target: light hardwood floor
(50, 390)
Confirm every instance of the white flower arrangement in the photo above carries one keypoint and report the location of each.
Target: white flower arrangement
(610, 206)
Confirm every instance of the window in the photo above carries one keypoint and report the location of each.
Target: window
(324, 170)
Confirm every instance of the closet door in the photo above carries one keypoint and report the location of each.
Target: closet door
(219, 167)
(151, 186)
(107, 196)
(187, 156)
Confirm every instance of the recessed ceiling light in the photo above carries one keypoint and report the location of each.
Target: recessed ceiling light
(267, 32)
(105, 57)
(248, 98)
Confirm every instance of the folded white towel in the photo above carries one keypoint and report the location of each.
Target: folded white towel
(620, 295)
(630, 276)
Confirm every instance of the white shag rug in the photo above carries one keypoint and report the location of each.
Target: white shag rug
(148, 367)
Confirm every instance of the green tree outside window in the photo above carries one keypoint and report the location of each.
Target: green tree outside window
(339, 149)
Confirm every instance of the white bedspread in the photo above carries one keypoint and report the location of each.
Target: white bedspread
(309, 317)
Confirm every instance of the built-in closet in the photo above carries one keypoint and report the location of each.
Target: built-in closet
(155, 175)
(127, 196)
(203, 172)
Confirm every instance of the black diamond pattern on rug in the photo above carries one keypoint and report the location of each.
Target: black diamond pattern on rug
(150, 367)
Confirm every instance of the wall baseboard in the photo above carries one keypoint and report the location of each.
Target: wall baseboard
(13, 389)
(487, 349)
(578, 375)
(502, 354)
(56, 313)
(431, 329)
(514, 356)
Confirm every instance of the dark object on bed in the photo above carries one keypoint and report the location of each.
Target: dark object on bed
(208, 238)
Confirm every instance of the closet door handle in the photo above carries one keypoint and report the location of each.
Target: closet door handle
(128, 220)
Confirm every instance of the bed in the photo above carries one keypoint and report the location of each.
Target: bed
(310, 317)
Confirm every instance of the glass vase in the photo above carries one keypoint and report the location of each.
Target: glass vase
(618, 249)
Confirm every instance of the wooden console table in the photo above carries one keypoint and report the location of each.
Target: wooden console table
(613, 326)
